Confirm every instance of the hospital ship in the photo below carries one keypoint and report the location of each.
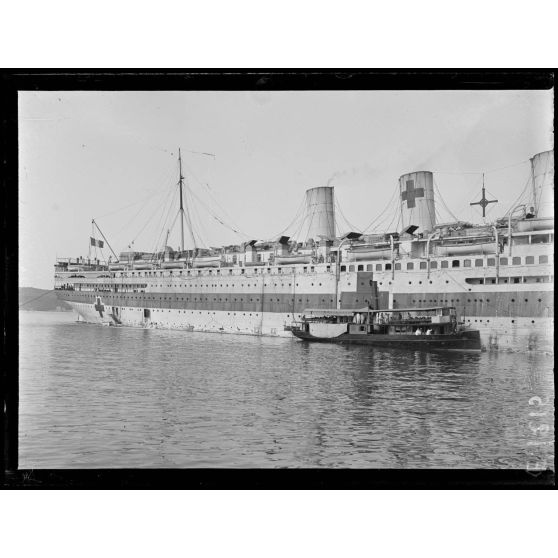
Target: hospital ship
(498, 275)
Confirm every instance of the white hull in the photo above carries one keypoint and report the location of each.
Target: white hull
(499, 335)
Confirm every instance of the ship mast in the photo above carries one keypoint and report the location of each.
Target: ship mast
(483, 201)
(180, 181)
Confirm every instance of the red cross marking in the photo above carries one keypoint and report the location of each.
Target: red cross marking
(99, 307)
(411, 193)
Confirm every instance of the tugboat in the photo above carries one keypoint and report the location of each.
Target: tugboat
(434, 328)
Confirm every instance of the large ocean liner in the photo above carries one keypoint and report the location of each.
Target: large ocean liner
(499, 276)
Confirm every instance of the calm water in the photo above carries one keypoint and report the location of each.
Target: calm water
(93, 396)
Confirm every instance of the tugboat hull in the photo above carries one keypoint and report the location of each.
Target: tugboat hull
(462, 341)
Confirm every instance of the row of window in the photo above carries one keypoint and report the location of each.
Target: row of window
(190, 272)
(478, 262)
(444, 264)
(458, 300)
(193, 312)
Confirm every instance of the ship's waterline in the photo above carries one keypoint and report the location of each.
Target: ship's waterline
(496, 333)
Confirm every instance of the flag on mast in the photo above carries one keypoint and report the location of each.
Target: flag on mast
(98, 243)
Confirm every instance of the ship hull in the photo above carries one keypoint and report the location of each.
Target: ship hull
(496, 333)
(464, 341)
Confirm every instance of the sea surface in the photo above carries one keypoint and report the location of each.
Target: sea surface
(103, 397)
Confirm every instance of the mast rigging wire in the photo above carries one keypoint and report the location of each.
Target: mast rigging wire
(442, 199)
(389, 203)
(351, 226)
(36, 298)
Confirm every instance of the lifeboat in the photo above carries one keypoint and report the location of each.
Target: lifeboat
(172, 265)
(293, 259)
(369, 252)
(207, 261)
(536, 224)
(463, 247)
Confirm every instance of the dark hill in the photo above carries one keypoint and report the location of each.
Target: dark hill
(40, 300)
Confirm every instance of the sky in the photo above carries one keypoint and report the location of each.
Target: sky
(248, 158)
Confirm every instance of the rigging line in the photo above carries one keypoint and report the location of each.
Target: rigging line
(154, 192)
(507, 166)
(296, 217)
(304, 219)
(391, 222)
(430, 213)
(391, 200)
(538, 201)
(333, 218)
(382, 218)
(351, 226)
(235, 230)
(36, 298)
(443, 201)
(481, 172)
(168, 212)
(127, 206)
(298, 232)
(127, 224)
(518, 199)
(189, 216)
(130, 221)
(377, 221)
(161, 225)
(206, 185)
(202, 240)
(199, 236)
(310, 222)
(171, 228)
(144, 227)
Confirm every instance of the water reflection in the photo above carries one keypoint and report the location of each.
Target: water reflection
(118, 397)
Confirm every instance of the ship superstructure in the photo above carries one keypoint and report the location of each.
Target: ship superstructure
(498, 276)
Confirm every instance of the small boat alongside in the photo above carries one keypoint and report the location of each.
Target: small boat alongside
(435, 328)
